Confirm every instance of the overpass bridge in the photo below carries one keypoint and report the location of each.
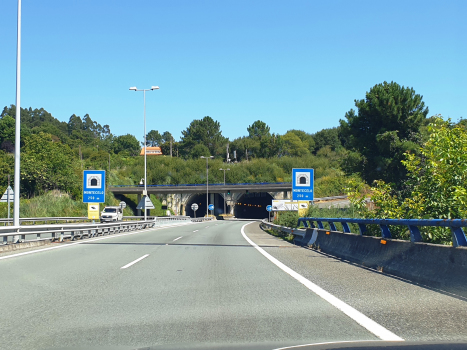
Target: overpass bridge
(255, 196)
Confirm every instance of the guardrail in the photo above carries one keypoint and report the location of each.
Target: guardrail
(73, 219)
(458, 235)
(294, 231)
(11, 234)
(459, 238)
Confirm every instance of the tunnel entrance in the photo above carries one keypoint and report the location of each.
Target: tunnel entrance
(200, 199)
(253, 205)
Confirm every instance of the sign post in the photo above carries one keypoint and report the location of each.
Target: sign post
(269, 209)
(93, 191)
(122, 205)
(303, 184)
(8, 197)
(194, 207)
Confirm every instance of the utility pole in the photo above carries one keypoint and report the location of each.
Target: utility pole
(171, 147)
(17, 125)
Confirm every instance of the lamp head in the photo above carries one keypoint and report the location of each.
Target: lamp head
(133, 88)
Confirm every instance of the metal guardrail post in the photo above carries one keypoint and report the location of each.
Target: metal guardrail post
(458, 237)
(362, 228)
(332, 226)
(415, 235)
(385, 231)
(346, 227)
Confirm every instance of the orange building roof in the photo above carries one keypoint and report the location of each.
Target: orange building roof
(151, 151)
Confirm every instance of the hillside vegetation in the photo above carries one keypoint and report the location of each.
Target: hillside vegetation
(387, 147)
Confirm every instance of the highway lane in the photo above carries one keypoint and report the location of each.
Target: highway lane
(199, 283)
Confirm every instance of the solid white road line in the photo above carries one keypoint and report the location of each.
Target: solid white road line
(176, 239)
(357, 316)
(134, 262)
(91, 240)
(326, 343)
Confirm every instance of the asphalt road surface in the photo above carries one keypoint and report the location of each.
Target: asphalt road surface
(208, 283)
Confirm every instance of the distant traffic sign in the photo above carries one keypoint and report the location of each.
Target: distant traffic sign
(122, 205)
(145, 203)
(211, 207)
(194, 207)
(269, 208)
(94, 186)
(8, 193)
(303, 184)
(93, 211)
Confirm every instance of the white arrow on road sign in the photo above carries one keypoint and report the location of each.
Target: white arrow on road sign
(4, 198)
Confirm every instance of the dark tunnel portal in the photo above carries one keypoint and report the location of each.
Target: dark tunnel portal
(253, 205)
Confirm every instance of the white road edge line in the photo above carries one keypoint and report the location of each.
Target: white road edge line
(134, 262)
(176, 239)
(92, 240)
(326, 343)
(357, 316)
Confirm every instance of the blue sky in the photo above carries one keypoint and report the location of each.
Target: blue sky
(293, 64)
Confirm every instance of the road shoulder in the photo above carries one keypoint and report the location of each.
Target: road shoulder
(408, 310)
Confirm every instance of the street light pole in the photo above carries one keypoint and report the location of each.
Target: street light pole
(17, 122)
(207, 183)
(145, 192)
(224, 188)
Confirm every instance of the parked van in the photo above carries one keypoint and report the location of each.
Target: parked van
(112, 214)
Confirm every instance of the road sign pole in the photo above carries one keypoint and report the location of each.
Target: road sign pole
(8, 194)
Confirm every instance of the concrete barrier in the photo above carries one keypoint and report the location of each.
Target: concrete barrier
(436, 266)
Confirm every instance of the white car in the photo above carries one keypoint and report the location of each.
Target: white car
(112, 214)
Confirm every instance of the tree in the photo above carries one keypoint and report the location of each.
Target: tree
(7, 129)
(385, 127)
(306, 138)
(205, 131)
(153, 138)
(47, 164)
(293, 146)
(167, 137)
(270, 146)
(327, 137)
(258, 130)
(126, 143)
(437, 184)
(198, 151)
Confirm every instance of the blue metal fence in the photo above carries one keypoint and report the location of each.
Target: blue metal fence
(458, 235)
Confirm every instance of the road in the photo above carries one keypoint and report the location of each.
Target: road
(205, 283)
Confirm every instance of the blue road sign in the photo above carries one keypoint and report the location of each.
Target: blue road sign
(269, 208)
(94, 186)
(303, 184)
(211, 207)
